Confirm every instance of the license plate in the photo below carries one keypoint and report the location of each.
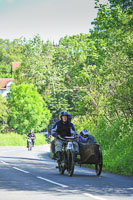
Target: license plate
(69, 146)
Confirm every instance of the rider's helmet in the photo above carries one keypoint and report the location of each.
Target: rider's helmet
(69, 117)
(63, 113)
(84, 134)
(31, 130)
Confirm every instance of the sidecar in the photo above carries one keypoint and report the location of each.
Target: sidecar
(91, 154)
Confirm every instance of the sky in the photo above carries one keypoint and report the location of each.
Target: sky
(51, 19)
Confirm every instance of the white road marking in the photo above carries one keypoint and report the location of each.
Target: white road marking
(21, 170)
(4, 162)
(94, 197)
(51, 181)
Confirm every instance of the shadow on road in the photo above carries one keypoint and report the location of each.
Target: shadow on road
(82, 181)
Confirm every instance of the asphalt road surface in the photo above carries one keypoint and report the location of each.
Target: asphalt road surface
(31, 175)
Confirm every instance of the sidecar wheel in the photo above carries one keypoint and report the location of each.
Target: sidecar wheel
(98, 166)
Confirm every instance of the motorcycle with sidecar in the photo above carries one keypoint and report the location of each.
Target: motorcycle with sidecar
(88, 154)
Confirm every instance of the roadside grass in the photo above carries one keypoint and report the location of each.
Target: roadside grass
(14, 139)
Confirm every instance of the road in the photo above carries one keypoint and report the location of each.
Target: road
(31, 175)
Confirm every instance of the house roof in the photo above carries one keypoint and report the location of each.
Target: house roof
(4, 82)
(15, 65)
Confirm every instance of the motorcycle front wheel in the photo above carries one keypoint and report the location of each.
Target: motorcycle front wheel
(70, 162)
(61, 165)
(29, 146)
(61, 168)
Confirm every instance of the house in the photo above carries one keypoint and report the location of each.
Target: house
(5, 83)
(15, 65)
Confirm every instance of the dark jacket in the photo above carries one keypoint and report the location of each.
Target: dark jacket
(62, 129)
(31, 135)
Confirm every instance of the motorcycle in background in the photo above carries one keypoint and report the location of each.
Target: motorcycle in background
(29, 143)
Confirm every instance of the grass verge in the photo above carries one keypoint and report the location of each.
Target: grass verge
(14, 139)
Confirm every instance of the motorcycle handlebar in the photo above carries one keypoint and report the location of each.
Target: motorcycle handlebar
(66, 138)
(30, 137)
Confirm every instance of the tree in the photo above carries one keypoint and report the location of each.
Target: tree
(10, 51)
(125, 4)
(3, 113)
(40, 67)
(113, 27)
(27, 109)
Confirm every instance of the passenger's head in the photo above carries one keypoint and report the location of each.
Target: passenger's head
(69, 117)
(84, 134)
(64, 116)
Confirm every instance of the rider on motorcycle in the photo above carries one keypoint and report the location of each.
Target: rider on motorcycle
(32, 135)
(53, 141)
(63, 128)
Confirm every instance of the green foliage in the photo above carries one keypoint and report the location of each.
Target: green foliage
(5, 70)
(125, 4)
(115, 140)
(40, 139)
(9, 52)
(3, 113)
(27, 109)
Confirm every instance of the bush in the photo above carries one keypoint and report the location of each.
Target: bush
(116, 142)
